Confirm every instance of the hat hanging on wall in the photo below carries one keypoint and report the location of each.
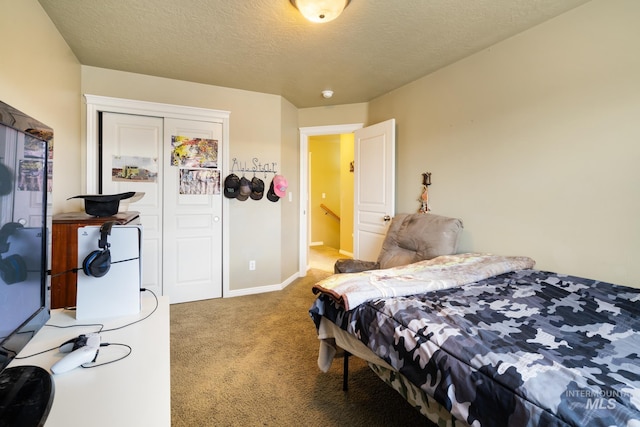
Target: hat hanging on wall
(245, 189)
(101, 205)
(278, 188)
(280, 185)
(257, 188)
(231, 186)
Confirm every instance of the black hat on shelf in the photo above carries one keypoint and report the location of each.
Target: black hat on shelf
(102, 205)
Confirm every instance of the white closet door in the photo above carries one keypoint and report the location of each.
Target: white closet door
(135, 142)
(192, 224)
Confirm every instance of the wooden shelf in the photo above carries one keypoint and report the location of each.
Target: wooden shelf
(64, 252)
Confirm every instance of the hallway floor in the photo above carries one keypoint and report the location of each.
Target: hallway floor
(324, 257)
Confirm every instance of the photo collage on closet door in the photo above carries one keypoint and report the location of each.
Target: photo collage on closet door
(197, 159)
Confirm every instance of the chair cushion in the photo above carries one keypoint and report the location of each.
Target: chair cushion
(416, 237)
(346, 265)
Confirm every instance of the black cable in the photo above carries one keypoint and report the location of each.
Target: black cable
(106, 344)
(60, 327)
(116, 328)
(139, 320)
(125, 260)
(76, 269)
(72, 270)
(100, 331)
(84, 325)
(36, 354)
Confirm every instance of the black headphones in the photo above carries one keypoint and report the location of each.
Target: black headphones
(13, 269)
(98, 262)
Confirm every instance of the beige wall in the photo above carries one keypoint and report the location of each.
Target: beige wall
(333, 115)
(40, 76)
(290, 215)
(535, 143)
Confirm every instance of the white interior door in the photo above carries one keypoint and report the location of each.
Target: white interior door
(192, 224)
(134, 143)
(374, 188)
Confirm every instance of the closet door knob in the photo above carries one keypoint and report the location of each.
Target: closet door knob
(386, 218)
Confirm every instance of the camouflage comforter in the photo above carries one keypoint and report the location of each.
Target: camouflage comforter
(522, 348)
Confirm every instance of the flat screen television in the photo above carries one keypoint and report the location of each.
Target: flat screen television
(25, 224)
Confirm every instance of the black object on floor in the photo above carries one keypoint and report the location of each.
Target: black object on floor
(26, 395)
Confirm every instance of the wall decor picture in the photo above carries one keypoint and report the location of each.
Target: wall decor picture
(194, 152)
(134, 168)
(199, 181)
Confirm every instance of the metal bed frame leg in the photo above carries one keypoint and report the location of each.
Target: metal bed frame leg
(345, 371)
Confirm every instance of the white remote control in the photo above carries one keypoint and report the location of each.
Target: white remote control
(85, 354)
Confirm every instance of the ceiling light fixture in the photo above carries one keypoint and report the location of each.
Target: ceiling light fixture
(320, 10)
(327, 94)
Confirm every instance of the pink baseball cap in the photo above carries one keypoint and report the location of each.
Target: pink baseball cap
(280, 185)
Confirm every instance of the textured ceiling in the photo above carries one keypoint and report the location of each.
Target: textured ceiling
(375, 46)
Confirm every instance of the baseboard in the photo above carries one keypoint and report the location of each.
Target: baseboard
(345, 253)
(262, 289)
(290, 280)
(321, 243)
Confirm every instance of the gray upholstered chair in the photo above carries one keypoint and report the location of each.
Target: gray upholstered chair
(410, 238)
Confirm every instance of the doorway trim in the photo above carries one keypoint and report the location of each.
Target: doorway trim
(305, 133)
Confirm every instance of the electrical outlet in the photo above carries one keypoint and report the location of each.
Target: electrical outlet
(252, 265)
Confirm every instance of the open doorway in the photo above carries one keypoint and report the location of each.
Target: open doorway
(330, 199)
(310, 206)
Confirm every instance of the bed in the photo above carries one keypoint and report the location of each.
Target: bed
(486, 340)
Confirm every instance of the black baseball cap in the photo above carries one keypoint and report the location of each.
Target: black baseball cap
(232, 186)
(245, 189)
(271, 195)
(257, 188)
